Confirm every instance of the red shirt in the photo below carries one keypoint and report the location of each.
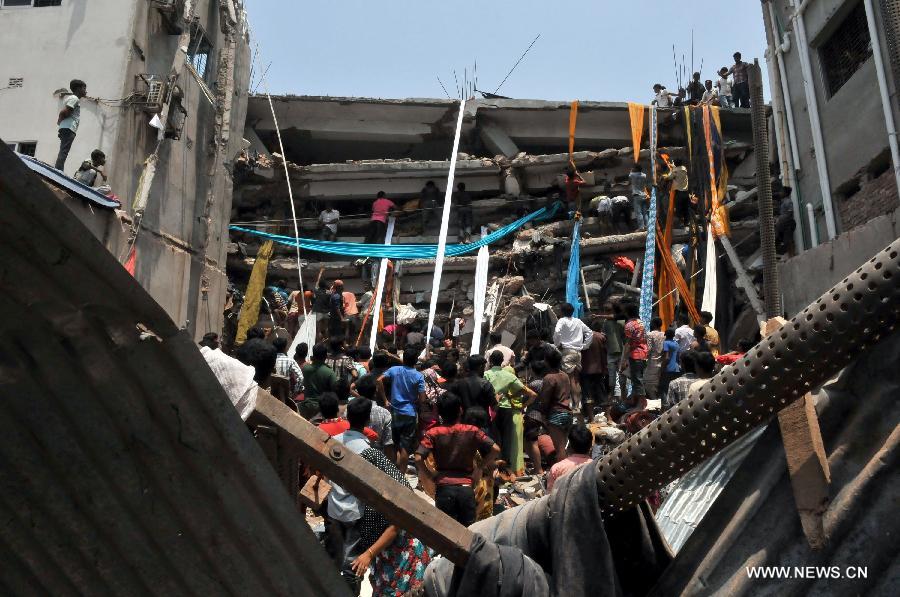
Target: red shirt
(334, 427)
(381, 208)
(454, 450)
(636, 340)
(572, 186)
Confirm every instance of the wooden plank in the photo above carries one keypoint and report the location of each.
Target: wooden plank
(342, 466)
(806, 460)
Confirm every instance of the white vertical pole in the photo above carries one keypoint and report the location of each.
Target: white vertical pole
(445, 224)
(481, 272)
(883, 89)
(379, 290)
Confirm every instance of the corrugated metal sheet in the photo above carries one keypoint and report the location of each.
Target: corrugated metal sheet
(58, 178)
(124, 469)
(754, 521)
(693, 494)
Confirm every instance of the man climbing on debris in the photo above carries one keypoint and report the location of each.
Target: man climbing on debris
(381, 210)
(68, 120)
(579, 452)
(454, 446)
(462, 201)
(90, 169)
(407, 391)
(712, 336)
(336, 323)
(431, 198)
(573, 183)
(638, 181)
(329, 218)
(678, 174)
(572, 336)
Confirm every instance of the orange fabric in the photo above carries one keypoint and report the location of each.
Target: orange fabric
(636, 113)
(666, 285)
(573, 117)
(718, 213)
(675, 274)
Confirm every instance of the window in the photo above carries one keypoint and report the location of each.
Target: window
(26, 147)
(15, 82)
(846, 50)
(35, 3)
(199, 51)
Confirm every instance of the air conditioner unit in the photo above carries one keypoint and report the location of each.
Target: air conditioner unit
(150, 92)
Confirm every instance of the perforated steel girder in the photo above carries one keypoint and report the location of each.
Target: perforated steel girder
(801, 355)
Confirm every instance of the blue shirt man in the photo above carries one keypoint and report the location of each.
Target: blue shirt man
(407, 391)
(671, 348)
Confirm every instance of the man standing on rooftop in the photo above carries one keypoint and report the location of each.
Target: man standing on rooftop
(68, 119)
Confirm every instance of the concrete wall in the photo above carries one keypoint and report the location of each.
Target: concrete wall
(805, 277)
(852, 119)
(180, 259)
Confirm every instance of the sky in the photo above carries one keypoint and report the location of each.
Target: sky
(603, 50)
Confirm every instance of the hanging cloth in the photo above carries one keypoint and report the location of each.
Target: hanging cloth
(710, 282)
(636, 113)
(377, 323)
(646, 307)
(718, 213)
(574, 273)
(253, 296)
(404, 251)
(482, 263)
(675, 274)
(573, 118)
(666, 283)
(445, 224)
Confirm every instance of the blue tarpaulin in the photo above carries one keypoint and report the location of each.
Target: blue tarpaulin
(403, 251)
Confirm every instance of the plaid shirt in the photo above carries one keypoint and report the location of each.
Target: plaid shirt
(740, 72)
(288, 367)
(679, 389)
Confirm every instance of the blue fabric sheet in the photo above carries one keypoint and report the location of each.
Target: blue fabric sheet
(403, 251)
(574, 274)
(646, 307)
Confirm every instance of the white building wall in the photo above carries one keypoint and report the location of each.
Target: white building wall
(48, 47)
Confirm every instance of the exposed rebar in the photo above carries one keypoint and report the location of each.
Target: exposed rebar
(771, 290)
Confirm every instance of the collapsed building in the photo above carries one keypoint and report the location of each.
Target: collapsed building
(513, 153)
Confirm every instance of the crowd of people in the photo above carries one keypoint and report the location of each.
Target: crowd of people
(451, 423)
(731, 89)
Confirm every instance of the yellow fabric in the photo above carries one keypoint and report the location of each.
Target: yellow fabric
(687, 120)
(573, 117)
(253, 296)
(636, 113)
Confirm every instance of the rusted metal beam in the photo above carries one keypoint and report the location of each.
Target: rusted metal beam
(340, 465)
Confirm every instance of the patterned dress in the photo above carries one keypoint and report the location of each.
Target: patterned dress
(400, 567)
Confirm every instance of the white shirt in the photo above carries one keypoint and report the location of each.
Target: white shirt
(684, 335)
(724, 86)
(572, 333)
(663, 100)
(508, 355)
(342, 505)
(71, 122)
(709, 95)
(330, 218)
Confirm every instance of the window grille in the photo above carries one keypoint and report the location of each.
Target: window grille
(846, 50)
